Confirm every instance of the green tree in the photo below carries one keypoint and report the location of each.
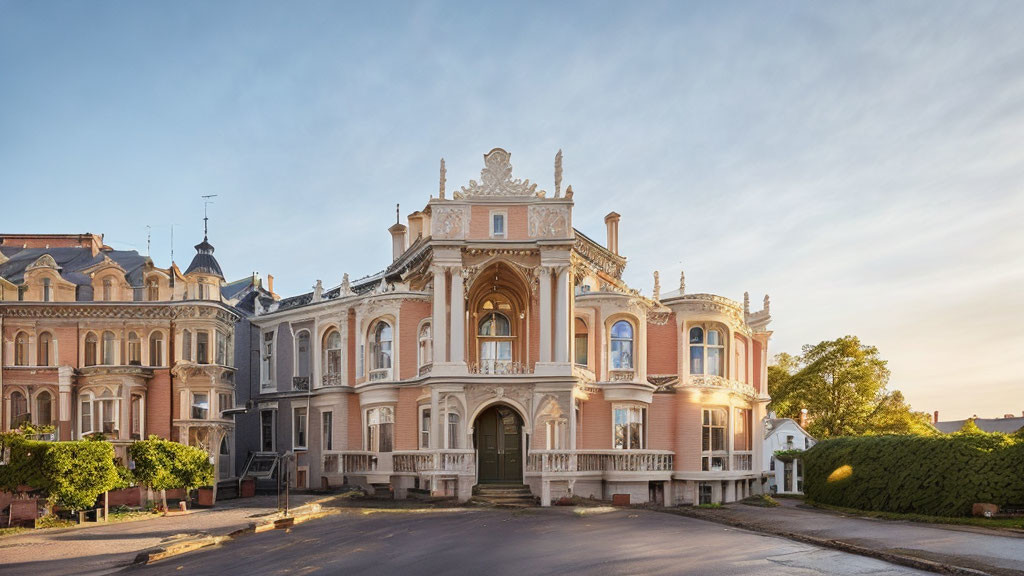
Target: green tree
(71, 474)
(843, 385)
(164, 465)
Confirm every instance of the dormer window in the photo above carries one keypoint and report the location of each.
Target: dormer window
(108, 290)
(47, 294)
(152, 290)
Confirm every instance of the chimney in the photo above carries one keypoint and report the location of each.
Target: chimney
(270, 283)
(935, 420)
(397, 236)
(612, 221)
(803, 417)
(1007, 415)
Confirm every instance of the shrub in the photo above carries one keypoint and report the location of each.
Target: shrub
(165, 465)
(72, 474)
(933, 475)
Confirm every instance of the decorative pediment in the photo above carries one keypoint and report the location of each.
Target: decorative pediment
(44, 261)
(496, 180)
(103, 265)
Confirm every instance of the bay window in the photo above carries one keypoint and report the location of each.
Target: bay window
(425, 428)
(380, 350)
(380, 427)
(453, 431)
(200, 406)
(299, 428)
(109, 349)
(714, 456)
(621, 357)
(156, 349)
(707, 352)
(202, 347)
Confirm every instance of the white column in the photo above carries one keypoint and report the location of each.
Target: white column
(458, 329)
(545, 314)
(562, 315)
(439, 318)
(572, 422)
(343, 325)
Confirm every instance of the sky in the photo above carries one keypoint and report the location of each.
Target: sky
(860, 162)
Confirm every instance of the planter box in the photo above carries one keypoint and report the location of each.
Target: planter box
(206, 497)
(248, 488)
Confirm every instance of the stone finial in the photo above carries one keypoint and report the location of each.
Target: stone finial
(558, 173)
(318, 291)
(657, 286)
(568, 192)
(746, 302)
(444, 172)
(682, 282)
(346, 288)
(767, 304)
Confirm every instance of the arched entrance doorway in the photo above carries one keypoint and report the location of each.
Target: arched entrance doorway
(498, 436)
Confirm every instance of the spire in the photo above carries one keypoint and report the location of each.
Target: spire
(746, 303)
(657, 286)
(441, 187)
(558, 173)
(206, 218)
(682, 282)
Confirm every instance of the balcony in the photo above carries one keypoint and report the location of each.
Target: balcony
(380, 375)
(718, 382)
(500, 368)
(423, 462)
(300, 383)
(426, 368)
(621, 375)
(331, 380)
(608, 464)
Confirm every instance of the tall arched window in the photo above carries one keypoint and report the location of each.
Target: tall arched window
(47, 293)
(453, 431)
(156, 349)
(303, 362)
(495, 337)
(134, 349)
(44, 409)
(332, 358)
(621, 356)
(707, 355)
(91, 353)
(108, 289)
(152, 290)
(44, 349)
(19, 409)
(186, 345)
(425, 351)
(580, 342)
(21, 349)
(381, 347)
(109, 348)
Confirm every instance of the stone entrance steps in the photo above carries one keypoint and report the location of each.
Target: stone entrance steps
(504, 495)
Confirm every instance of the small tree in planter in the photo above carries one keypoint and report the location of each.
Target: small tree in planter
(164, 465)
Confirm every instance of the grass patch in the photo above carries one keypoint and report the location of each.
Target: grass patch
(999, 523)
(52, 521)
(761, 501)
(12, 531)
(710, 506)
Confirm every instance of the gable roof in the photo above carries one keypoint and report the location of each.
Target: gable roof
(1003, 425)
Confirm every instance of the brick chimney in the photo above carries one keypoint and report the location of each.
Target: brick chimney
(612, 222)
(270, 283)
(935, 420)
(803, 418)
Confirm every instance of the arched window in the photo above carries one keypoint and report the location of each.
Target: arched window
(44, 409)
(156, 349)
(381, 347)
(186, 346)
(425, 351)
(47, 294)
(303, 361)
(580, 342)
(152, 290)
(109, 352)
(202, 347)
(91, 342)
(136, 417)
(332, 358)
(44, 349)
(495, 336)
(108, 289)
(707, 356)
(380, 429)
(622, 346)
(19, 409)
(134, 349)
(21, 349)
(453, 431)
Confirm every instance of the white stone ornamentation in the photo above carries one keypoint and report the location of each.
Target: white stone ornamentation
(548, 222)
(449, 222)
(496, 179)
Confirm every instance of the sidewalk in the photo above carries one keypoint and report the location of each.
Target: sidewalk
(959, 550)
(105, 548)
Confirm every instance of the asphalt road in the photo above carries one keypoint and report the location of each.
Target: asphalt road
(497, 542)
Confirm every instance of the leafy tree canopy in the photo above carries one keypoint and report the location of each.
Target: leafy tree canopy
(843, 385)
(165, 465)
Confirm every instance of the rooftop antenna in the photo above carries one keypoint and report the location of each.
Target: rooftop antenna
(149, 234)
(206, 202)
(172, 249)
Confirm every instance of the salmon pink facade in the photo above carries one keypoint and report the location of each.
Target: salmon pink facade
(501, 346)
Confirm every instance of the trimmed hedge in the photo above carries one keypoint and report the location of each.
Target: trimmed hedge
(72, 474)
(933, 475)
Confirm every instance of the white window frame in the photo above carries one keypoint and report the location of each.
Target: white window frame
(295, 428)
(366, 428)
(425, 409)
(723, 348)
(504, 223)
(326, 436)
(627, 444)
(709, 455)
(632, 345)
(273, 429)
(192, 404)
(267, 357)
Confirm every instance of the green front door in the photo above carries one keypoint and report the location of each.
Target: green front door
(499, 442)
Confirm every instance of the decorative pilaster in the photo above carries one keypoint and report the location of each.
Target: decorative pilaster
(440, 316)
(562, 315)
(458, 327)
(545, 313)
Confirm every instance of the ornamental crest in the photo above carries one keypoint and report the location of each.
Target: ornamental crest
(496, 179)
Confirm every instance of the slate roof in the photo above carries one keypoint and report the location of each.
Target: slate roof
(1004, 425)
(776, 422)
(72, 262)
(360, 286)
(204, 262)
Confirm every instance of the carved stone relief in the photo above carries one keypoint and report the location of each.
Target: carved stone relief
(450, 222)
(548, 221)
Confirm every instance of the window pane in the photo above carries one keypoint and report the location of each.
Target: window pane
(581, 350)
(715, 361)
(696, 359)
(696, 336)
(200, 406)
(622, 329)
(714, 338)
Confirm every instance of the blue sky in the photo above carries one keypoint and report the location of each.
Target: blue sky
(861, 162)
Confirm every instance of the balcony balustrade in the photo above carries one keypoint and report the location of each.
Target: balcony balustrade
(500, 368)
(711, 381)
(439, 462)
(380, 375)
(300, 383)
(331, 379)
(742, 461)
(601, 461)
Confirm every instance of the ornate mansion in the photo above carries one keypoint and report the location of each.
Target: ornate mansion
(500, 346)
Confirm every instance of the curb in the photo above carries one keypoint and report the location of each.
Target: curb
(893, 558)
(304, 513)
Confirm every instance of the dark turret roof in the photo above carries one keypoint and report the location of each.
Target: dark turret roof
(204, 262)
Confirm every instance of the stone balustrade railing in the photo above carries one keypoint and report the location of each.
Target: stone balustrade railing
(409, 461)
(599, 461)
(352, 461)
(742, 461)
(709, 381)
